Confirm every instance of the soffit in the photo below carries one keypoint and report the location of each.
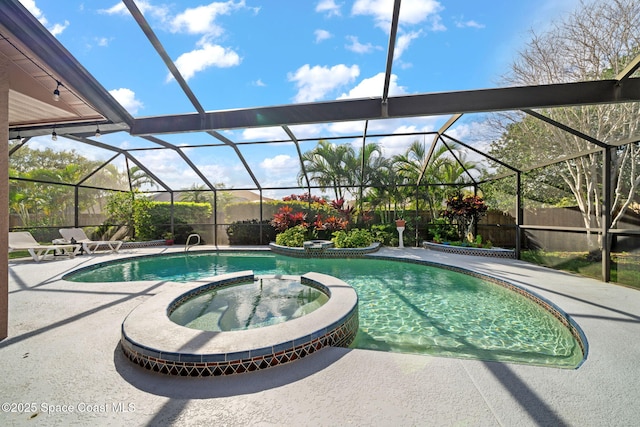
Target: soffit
(32, 84)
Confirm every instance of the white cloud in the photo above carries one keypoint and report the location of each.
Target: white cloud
(315, 83)
(372, 87)
(103, 41)
(412, 12)
(127, 98)
(145, 7)
(403, 41)
(217, 174)
(209, 55)
(436, 24)
(55, 29)
(357, 47)
(322, 35)
(264, 134)
(308, 131)
(30, 5)
(346, 128)
(282, 163)
(329, 7)
(460, 23)
(201, 19)
(258, 83)
(279, 171)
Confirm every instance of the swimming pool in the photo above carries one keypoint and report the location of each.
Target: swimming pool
(404, 307)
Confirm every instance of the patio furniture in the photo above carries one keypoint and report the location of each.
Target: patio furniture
(24, 241)
(90, 246)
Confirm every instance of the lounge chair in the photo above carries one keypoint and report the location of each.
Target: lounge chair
(24, 241)
(90, 246)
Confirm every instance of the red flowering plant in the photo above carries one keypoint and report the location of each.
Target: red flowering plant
(465, 211)
(366, 217)
(328, 217)
(285, 218)
(344, 210)
(334, 223)
(305, 197)
(324, 227)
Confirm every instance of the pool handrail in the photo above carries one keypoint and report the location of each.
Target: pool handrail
(187, 245)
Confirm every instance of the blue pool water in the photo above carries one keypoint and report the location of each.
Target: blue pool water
(403, 307)
(263, 302)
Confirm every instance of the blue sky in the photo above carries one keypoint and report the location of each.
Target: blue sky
(239, 54)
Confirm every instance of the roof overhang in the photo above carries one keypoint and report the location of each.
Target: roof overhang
(37, 62)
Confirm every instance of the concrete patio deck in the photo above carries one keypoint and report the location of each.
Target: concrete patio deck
(62, 364)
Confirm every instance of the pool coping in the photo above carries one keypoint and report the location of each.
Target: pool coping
(466, 250)
(150, 339)
(323, 251)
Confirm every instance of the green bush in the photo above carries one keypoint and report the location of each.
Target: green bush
(293, 237)
(248, 232)
(441, 229)
(356, 238)
(386, 234)
(153, 219)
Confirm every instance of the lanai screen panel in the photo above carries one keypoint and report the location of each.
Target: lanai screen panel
(112, 175)
(220, 165)
(275, 165)
(35, 204)
(126, 142)
(62, 160)
(166, 165)
(93, 213)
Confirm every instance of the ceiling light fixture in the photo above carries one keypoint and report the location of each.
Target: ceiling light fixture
(56, 92)
(98, 134)
(54, 135)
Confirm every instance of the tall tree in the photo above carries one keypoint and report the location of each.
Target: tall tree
(440, 169)
(139, 177)
(325, 165)
(46, 203)
(595, 42)
(197, 194)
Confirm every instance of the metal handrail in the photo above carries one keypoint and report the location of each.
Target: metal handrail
(188, 245)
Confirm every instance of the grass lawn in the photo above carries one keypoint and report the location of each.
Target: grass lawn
(19, 254)
(625, 267)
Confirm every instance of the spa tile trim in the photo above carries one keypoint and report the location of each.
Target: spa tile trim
(317, 330)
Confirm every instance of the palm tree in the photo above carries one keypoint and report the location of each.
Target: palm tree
(440, 169)
(384, 193)
(196, 194)
(138, 178)
(327, 165)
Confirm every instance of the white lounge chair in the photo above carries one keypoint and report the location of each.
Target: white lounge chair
(90, 246)
(24, 241)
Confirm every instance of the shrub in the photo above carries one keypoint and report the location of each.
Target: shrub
(441, 229)
(386, 234)
(356, 238)
(293, 237)
(286, 218)
(248, 232)
(465, 211)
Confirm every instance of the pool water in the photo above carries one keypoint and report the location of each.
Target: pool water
(263, 302)
(403, 307)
